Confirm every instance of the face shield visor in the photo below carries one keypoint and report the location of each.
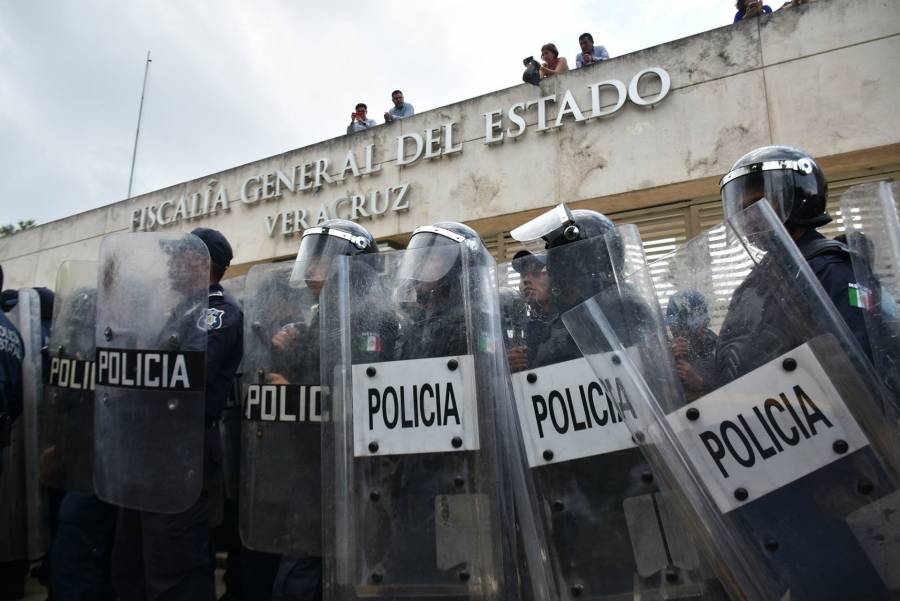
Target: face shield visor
(318, 248)
(535, 234)
(431, 255)
(772, 180)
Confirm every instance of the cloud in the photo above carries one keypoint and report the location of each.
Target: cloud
(232, 82)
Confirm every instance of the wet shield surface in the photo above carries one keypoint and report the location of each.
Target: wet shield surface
(873, 234)
(230, 422)
(597, 507)
(281, 486)
(415, 501)
(24, 517)
(152, 299)
(776, 437)
(66, 417)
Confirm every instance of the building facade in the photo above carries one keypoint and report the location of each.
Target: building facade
(643, 137)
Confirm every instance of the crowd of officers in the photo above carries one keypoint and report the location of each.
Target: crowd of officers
(101, 551)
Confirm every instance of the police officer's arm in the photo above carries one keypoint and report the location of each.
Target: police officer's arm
(222, 340)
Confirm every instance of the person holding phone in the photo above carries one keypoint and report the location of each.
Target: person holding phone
(750, 8)
(553, 63)
(358, 119)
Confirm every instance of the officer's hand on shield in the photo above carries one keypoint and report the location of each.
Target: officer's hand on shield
(286, 338)
(680, 347)
(518, 358)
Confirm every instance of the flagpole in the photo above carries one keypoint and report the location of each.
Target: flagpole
(138, 132)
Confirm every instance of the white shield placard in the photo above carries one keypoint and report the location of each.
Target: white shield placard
(766, 429)
(417, 406)
(567, 412)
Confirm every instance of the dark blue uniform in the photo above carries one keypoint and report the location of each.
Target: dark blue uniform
(834, 271)
(12, 351)
(168, 556)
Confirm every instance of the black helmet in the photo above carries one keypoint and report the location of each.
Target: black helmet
(787, 177)
(434, 259)
(596, 259)
(321, 244)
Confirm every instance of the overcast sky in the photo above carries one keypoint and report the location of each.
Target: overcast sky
(233, 81)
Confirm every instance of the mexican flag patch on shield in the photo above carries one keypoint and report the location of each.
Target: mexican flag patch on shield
(860, 297)
(370, 343)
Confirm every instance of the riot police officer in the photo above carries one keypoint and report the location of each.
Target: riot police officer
(167, 555)
(12, 351)
(293, 353)
(794, 184)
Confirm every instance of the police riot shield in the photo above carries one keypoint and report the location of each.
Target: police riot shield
(753, 400)
(414, 493)
(152, 299)
(281, 490)
(24, 511)
(873, 233)
(609, 531)
(230, 422)
(66, 417)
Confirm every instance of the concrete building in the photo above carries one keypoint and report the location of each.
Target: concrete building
(643, 137)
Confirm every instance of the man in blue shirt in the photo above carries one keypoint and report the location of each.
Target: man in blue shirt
(400, 110)
(589, 52)
(358, 120)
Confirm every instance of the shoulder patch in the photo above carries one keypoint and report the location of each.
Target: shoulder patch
(212, 320)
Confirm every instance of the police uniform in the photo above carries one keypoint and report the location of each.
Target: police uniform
(12, 351)
(169, 556)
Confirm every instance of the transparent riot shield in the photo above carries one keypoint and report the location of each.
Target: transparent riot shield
(66, 417)
(415, 499)
(787, 458)
(24, 510)
(608, 530)
(281, 482)
(230, 422)
(873, 233)
(152, 298)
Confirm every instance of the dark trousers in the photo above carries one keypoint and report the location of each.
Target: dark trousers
(162, 556)
(82, 548)
(298, 579)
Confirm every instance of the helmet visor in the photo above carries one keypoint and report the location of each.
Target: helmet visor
(536, 233)
(776, 186)
(429, 257)
(318, 248)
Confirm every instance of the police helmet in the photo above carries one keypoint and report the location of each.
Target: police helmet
(787, 177)
(321, 244)
(437, 251)
(687, 312)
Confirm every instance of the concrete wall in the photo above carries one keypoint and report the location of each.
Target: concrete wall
(825, 77)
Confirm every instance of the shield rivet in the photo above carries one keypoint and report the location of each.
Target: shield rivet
(558, 505)
(616, 360)
(741, 494)
(374, 496)
(459, 481)
(532, 378)
(456, 442)
(464, 576)
(789, 364)
(106, 399)
(840, 447)
(647, 477)
(548, 455)
(370, 371)
(373, 447)
(259, 432)
(671, 576)
(107, 333)
(377, 578)
(692, 414)
(771, 545)
(173, 339)
(452, 364)
(576, 590)
(865, 487)
(638, 437)
(260, 374)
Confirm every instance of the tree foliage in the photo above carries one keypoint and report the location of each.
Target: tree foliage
(9, 228)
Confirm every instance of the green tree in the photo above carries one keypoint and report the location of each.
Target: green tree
(9, 228)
